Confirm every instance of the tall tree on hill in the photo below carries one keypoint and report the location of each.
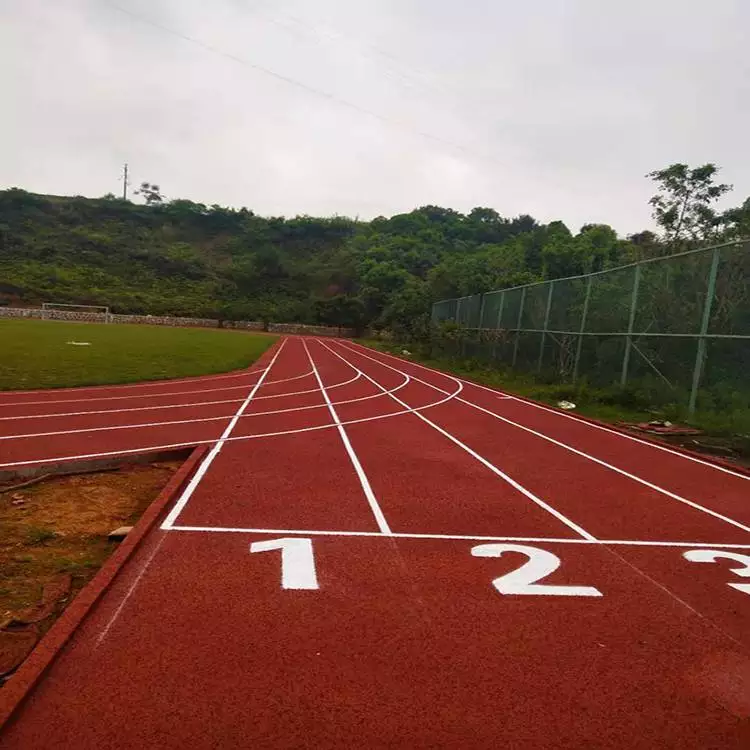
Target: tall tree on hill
(683, 205)
(151, 194)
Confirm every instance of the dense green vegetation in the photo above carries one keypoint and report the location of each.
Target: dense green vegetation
(185, 258)
(36, 353)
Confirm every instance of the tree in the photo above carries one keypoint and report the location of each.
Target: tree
(737, 221)
(151, 194)
(682, 207)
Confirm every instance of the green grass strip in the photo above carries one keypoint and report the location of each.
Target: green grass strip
(37, 354)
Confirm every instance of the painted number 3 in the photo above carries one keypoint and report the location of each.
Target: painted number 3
(712, 555)
(523, 581)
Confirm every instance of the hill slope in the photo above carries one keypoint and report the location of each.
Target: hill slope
(186, 258)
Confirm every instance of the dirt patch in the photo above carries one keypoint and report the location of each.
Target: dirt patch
(53, 539)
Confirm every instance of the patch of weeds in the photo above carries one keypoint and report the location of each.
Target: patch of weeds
(38, 535)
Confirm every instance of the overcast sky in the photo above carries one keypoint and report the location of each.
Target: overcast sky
(555, 108)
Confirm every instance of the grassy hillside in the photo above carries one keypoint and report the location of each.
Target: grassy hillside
(185, 258)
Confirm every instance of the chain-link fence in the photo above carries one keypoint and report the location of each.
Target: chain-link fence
(679, 325)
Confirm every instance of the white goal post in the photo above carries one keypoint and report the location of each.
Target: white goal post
(48, 307)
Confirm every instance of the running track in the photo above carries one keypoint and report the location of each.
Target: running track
(378, 555)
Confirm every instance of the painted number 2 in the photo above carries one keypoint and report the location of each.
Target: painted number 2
(712, 555)
(523, 581)
(297, 561)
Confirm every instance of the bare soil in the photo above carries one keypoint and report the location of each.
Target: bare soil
(53, 539)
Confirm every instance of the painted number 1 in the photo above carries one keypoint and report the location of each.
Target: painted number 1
(297, 561)
(712, 555)
(523, 581)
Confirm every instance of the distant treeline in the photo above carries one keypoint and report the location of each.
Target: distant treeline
(183, 258)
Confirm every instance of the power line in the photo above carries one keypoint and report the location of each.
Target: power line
(298, 84)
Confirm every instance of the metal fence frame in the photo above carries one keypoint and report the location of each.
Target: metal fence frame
(468, 323)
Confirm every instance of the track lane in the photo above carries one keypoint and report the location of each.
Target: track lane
(305, 479)
(407, 641)
(403, 645)
(407, 458)
(716, 491)
(607, 504)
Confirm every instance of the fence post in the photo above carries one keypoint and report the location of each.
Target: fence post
(518, 327)
(482, 298)
(458, 309)
(631, 321)
(497, 323)
(546, 325)
(700, 354)
(582, 329)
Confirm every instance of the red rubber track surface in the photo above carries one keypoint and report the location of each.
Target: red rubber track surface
(406, 642)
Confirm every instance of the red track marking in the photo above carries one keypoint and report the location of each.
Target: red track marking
(407, 643)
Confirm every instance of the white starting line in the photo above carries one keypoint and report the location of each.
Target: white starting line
(453, 537)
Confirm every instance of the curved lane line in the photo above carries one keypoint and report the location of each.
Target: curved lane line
(210, 419)
(168, 446)
(153, 395)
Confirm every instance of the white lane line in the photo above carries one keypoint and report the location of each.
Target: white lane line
(363, 480)
(208, 460)
(129, 593)
(197, 420)
(589, 457)
(459, 537)
(202, 419)
(52, 415)
(635, 439)
(193, 443)
(494, 469)
(89, 399)
(558, 413)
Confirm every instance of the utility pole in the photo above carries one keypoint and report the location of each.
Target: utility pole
(125, 181)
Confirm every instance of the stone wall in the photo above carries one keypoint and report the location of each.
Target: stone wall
(164, 320)
(306, 330)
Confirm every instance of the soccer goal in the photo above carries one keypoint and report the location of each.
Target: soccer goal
(49, 309)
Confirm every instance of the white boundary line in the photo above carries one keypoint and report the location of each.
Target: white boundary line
(457, 537)
(494, 469)
(611, 467)
(129, 593)
(558, 413)
(153, 395)
(208, 460)
(52, 415)
(363, 480)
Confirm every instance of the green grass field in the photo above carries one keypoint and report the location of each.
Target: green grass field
(36, 353)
